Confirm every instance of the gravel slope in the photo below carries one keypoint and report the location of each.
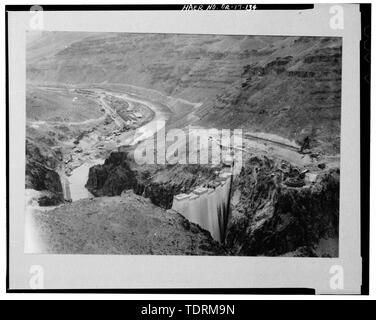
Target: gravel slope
(127, 224)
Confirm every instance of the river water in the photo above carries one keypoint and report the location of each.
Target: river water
(74, 185)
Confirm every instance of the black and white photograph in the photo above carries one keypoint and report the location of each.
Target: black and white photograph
(187, 147)
(93, 185)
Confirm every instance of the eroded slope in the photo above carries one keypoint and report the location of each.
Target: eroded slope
(127, 224)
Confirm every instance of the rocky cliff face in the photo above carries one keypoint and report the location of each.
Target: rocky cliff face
(111, 178)
(290, 93)
(159, 183)
(284, 85)
(270, 218)
(41, 176)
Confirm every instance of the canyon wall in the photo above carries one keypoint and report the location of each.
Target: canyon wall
(40, 174)
(270, 218)
(289, 86)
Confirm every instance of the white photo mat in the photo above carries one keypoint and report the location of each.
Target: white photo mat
(145, 271)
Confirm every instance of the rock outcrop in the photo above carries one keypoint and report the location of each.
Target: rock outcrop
(159, 183)
(270, 218)
(41, 176)
(111, 178)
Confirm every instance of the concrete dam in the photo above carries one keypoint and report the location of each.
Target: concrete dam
(208, 206)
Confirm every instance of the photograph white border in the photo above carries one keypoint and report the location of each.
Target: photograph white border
(94, 271)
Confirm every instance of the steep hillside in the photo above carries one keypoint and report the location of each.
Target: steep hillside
(128, 224)
(40, 174)
(290, 86)
(271, 217)
(44, 45)
(51, 105)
